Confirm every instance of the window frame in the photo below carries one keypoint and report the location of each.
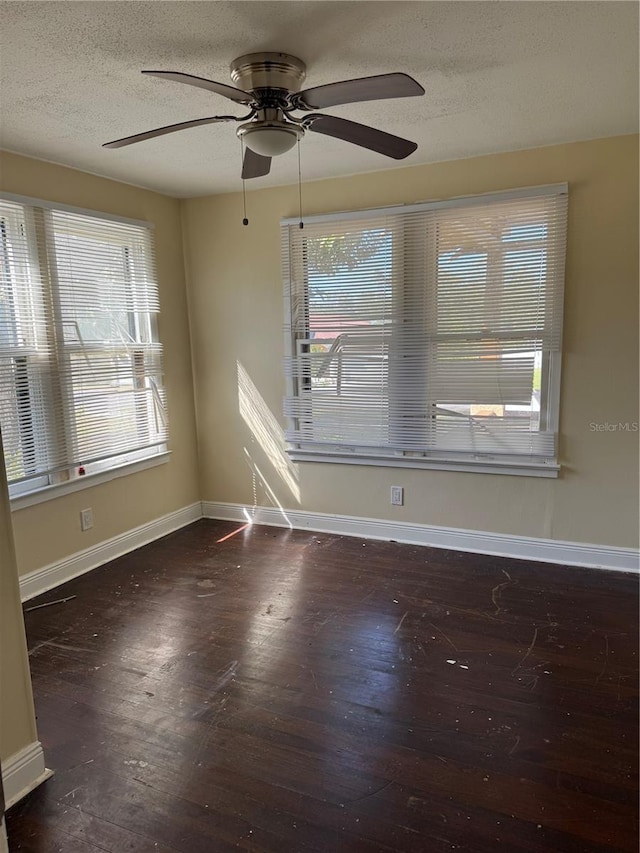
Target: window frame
(30, 490)
(515, 464)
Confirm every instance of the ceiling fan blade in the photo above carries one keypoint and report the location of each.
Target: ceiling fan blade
(230, 92)
(170, 128)
(361, 134)
(353, 91)
(254, 165)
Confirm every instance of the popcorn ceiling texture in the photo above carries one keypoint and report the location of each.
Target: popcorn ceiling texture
(498, 76)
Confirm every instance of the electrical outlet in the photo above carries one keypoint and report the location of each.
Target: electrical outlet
(397, 495)
(86, 519)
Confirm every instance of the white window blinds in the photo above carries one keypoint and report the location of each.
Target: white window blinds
(80, 363)
(428, 332)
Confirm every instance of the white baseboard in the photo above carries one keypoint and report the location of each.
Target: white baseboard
(54, 574)
(22, 772)
(455, 539)
(475, 541)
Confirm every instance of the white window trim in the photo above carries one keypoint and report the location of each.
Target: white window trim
(355, 456)
(435, 204)
(58, 490)
(82, 211)
(544, 469)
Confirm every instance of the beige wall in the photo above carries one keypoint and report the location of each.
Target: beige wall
(17, 720)
(235, 295)
(51, 531)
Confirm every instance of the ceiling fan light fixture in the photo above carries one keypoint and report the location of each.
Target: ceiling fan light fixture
(270, 140)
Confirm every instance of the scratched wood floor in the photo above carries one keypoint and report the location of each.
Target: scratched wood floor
(284, 691)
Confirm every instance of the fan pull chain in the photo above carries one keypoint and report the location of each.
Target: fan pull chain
(245, 221)
(301, 223)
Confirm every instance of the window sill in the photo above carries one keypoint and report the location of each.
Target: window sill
(485, 466)
(48, 493)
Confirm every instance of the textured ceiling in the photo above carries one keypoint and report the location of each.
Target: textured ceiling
(498, 76)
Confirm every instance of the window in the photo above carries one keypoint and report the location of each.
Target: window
(428, 335)
(80, 363)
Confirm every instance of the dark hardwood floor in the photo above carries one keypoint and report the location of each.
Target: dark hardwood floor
(286, 691)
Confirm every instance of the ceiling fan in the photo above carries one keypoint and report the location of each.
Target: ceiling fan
(269, 86)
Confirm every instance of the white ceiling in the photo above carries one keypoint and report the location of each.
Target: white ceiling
(498, 76)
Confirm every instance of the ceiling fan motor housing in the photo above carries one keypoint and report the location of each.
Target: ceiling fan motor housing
(257, 72)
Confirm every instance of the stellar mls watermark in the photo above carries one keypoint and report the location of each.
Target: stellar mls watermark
(617, 426)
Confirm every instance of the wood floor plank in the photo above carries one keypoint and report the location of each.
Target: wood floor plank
(283, 691)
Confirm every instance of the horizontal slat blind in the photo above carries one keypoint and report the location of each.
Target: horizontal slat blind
(428, 330)
(80, 364)
(26, 348)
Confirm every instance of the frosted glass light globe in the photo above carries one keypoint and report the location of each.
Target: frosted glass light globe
(270, 141)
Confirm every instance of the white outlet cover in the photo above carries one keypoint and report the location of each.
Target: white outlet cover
(397, 495)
